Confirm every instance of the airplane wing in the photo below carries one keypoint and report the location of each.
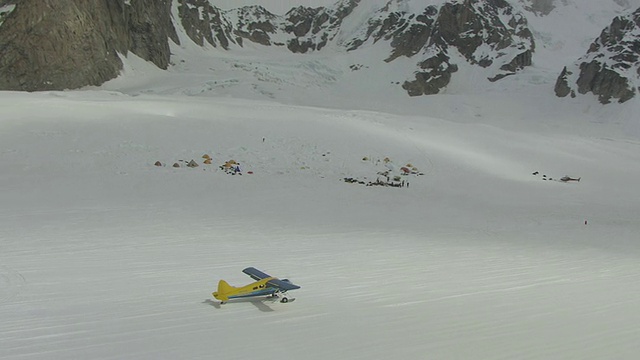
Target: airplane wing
(255, 273)
(280, 284)
(283, 284)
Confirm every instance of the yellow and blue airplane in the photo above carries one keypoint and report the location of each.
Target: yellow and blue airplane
(265, 285)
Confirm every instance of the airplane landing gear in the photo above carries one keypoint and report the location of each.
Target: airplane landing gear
(282, 296)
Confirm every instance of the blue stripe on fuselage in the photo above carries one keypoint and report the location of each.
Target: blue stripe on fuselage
(262, 292)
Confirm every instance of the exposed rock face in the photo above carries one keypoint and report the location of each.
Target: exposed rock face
(408, 33)
(435, 74)
(256, 24)
(301, 30)
(476, 29)
(313, 28)
(60, 44)
(149, 27)
(611, 67)
(204, 22)
(196, 20)
(410, 42)
(562, 88)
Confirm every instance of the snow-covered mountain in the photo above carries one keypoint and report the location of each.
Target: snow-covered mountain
(611, 67)
(492, 38)
(431, 47)
(489, 34)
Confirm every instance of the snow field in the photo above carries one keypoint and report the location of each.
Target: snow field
(107, 256)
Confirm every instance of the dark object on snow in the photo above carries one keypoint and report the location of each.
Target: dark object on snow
(176, 165)
(536, 173)
(192, 164)
(566, 179)
(158, 163)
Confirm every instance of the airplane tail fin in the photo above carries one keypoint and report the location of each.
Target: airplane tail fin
(223, 290)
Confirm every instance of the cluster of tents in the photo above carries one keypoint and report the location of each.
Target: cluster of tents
(392, 176)
(230, 167)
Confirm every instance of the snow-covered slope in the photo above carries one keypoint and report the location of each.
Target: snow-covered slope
(105, 255)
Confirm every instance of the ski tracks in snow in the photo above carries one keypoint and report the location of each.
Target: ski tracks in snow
(11, 282)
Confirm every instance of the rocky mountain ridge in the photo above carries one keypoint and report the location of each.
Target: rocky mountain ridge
(488, 33)
(79, 46)
(609, 66)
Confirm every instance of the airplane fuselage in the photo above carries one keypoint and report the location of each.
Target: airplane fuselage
(258, 288)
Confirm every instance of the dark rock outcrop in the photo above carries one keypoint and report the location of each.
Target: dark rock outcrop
(196, 20)
(611, 67)
(256, 24)
(475, 29)
(408, 33)
(149, 27)
(58, 44)
(61, 44)
(314, 28)
(562, 88)
(595, 77)
(471, 24)
(204, 22)
(304, 29)
(435, 74)
(410, 41)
